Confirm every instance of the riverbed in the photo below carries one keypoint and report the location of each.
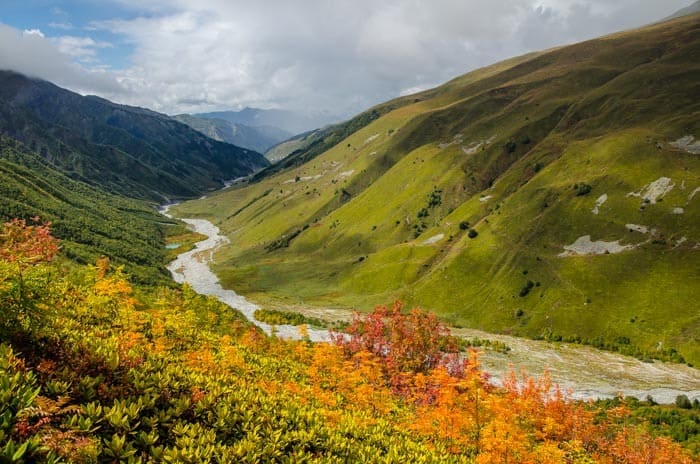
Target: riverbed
(583, 371)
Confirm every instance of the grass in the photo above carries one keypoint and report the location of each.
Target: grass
(548, 124)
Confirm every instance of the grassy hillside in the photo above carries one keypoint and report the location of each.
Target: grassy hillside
(89, 222)
(551, 195)
(121, 149)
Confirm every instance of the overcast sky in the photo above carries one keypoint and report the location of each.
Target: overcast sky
(335, 56)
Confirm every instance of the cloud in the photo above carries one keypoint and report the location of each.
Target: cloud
(66, 26)
(31, 53)
(83, 49)
(36, 32)
(341, 56)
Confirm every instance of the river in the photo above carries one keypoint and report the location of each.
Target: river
(583, 371)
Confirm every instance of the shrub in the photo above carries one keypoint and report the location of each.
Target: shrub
(464, 225)
(583, 189)
(526, 289)
(683, 402)
(472, 233)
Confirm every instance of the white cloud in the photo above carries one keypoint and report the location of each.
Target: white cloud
(83, 49)
(36, 32)
(340, 56)
(66, 26)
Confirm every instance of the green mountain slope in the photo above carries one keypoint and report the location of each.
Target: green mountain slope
(258, 139)
(125, 150)
(89, 222)
(551, 195)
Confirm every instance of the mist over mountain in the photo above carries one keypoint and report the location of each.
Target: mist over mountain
(690, 9)
(290, 121)
(258, 138)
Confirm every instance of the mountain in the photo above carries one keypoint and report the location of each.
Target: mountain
(551, 195)
(288, 121)
(689, 10)
(259, 138)
(89, 222)
(125, 150)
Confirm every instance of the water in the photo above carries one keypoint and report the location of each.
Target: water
(192, 267)
(583, 371)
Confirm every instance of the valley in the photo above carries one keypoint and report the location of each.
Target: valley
(548, 196)
(585, 372)
(317, 248)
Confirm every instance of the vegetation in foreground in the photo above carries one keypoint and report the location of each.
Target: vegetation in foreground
(92, 371)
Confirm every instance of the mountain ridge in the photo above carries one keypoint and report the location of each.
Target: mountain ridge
(128, 150)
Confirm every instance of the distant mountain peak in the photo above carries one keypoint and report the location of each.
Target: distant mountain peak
(290, 121)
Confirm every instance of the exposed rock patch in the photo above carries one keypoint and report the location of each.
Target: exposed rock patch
(655, 190)
(434, 239)
(637, 228)
(584, 246)
(371, 138)
(678, 211)
(599, 202)
(687, 144)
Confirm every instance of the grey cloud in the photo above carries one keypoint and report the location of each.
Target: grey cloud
(340, 56)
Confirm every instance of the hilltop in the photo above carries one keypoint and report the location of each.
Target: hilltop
(552, 195)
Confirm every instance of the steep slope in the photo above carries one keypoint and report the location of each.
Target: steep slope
(89, 222)
(257, 139)
(552, 195)
(689, 10)
(126, 150)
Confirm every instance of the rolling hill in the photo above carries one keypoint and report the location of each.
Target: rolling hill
(551, 195)
(126, 150)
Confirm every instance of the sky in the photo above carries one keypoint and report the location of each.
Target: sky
(331, 57)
